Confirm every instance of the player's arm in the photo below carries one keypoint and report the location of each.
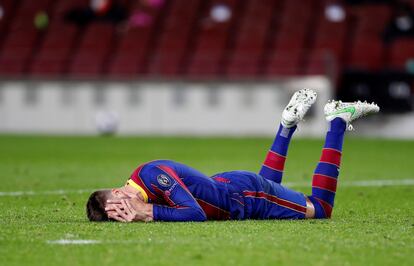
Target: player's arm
(182, 206)
(164, 183)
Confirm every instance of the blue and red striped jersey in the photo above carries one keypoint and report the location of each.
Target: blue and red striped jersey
(181, 193)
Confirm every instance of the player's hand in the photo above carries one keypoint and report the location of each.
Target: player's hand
(119, 211)
(129, 210)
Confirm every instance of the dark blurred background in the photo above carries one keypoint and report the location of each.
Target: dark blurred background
(364, 47)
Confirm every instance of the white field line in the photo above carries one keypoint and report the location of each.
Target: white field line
(73, 242)
(92, 241)
(361, 183)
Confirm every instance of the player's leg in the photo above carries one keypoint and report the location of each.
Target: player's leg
(294, 112)
(326, 173)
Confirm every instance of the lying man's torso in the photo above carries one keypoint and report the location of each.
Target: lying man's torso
(229, 195)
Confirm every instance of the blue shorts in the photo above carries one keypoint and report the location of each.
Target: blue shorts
(263, 198)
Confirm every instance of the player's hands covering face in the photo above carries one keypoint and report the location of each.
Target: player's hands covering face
(129, 210)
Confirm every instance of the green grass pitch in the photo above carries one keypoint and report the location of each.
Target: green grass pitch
(371, 225)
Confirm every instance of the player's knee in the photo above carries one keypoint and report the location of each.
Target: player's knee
(325, 215)
(317, 209)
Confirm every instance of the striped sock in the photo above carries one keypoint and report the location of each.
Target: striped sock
(326, 173)
(274, 163)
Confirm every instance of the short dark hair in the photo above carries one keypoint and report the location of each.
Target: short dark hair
(95, 207)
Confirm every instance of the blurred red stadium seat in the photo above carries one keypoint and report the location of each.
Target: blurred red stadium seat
(54, 52)
(366, 53)
(271, 37)
(401, 51)
(93, 51)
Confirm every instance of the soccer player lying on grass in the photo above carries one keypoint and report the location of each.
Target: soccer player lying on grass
(164, 190)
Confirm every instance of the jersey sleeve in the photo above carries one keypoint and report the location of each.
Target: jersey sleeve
(182, 206)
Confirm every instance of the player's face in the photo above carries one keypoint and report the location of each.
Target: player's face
(118, 193)
(126, 192)
(121, 193)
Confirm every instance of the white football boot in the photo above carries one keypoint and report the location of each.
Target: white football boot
(349, 111)
(298, 105)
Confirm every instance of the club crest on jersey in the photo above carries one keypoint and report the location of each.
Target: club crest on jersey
(164, 180)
